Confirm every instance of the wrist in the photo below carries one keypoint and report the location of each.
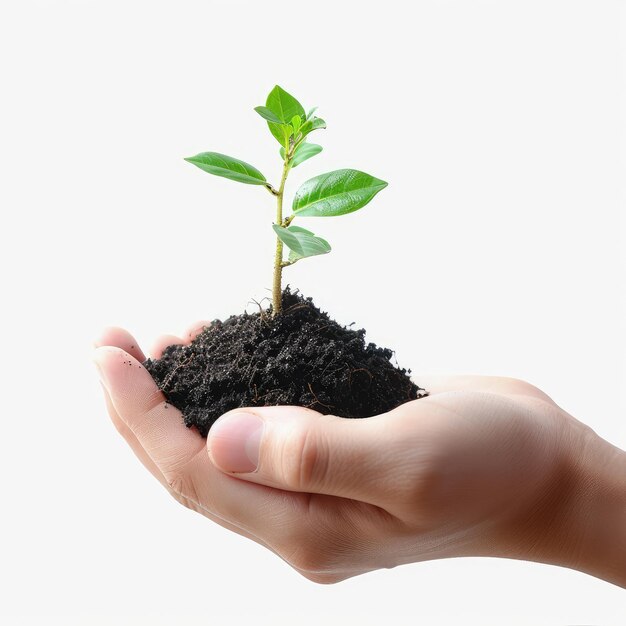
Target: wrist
(593, 523)
(579, 519)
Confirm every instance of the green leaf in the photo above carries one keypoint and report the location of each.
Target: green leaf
(313, 124)
(317, 123)
(228, 167)
(282, 132)
(336, 193)
(309, 115)
(303, 152)
(294, 256)
(267, 114)
(302, 242)
(296, 122)
(284, 106)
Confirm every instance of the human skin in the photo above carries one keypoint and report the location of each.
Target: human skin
(483, 466)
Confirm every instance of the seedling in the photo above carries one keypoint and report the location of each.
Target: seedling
(327, 195)
(307, 359)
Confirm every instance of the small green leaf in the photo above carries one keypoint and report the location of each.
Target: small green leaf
(296, 122)
(309, 115)
(336, 193)
(317, 123)
(228, 167)
(303, 152)
(288, 132)
(283, 105)
(267, 114)
(313, 124)
(302, 242)
(282, 132)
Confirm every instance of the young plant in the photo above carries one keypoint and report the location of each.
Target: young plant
(335, 193)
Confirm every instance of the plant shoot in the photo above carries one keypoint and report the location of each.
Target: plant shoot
(326, 195)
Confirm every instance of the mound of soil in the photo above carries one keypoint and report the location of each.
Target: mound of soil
(301, 357)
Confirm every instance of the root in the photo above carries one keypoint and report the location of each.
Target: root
(169, 377)
(317, 400)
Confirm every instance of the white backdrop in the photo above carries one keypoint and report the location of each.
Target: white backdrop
(495, 250)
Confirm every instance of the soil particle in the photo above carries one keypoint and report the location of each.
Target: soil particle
(301, 357)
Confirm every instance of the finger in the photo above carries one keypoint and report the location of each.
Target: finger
(149, 464)
(158, 425)
(494, 384)
(163, 342)
(178, 452)
(194, 330)
(119, 337)
(170, 340)
(297, 449)
(131, 440)
(114, 336)
(159, 430)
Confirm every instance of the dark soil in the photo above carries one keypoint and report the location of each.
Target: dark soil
(302, 357)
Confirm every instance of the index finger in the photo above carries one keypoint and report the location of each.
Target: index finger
(158, 425)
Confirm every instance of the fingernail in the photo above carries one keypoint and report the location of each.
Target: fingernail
(234, 442)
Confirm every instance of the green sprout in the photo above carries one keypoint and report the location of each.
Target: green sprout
(335, 193)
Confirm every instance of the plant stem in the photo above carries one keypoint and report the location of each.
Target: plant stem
(277, 289)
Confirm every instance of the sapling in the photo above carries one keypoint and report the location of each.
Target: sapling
(303, 357)
(326, 195)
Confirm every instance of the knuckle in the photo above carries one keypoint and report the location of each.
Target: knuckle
(183, 489)
(303, 461)
(516, 383)
(176, 487)
(175, 483)
(424, 492)
(522, 387)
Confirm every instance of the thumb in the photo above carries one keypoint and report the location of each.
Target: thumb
(298, 449)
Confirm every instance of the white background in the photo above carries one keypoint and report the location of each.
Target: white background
(495, 249)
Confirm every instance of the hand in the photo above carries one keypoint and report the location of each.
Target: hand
(484, 466)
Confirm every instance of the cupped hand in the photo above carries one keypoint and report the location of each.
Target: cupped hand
(479, 467)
